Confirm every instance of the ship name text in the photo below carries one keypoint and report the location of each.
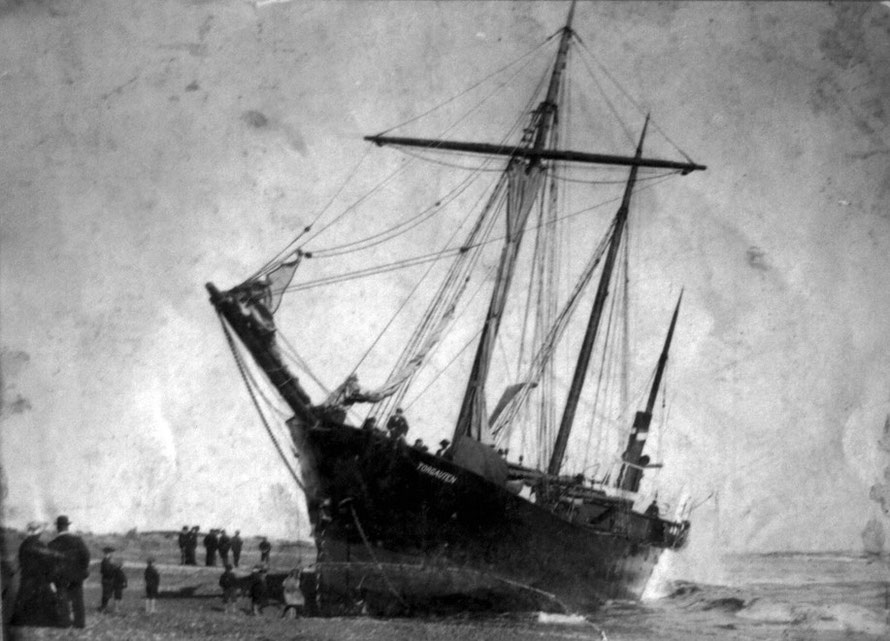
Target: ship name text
(437, 474)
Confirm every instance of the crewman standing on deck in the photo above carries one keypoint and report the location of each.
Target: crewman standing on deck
(397, 425)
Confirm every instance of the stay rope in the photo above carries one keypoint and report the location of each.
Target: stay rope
(390, 232)
(630, 98)
(446, 253)
(474, 85)
(244, 376)
(289, 248)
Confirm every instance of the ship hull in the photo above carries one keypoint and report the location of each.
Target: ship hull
(401, 528)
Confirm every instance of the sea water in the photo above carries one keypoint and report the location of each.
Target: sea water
(822, 597)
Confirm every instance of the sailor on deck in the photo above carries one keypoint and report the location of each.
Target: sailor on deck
(347, 393)
(397, 425)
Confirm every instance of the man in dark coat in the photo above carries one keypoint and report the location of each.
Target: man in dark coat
(265, 550)
(35, 602)
(73, 571)
(210, 545)
(191, 546)
(224, 544)
(120, 583)
(152, 585)
(106, 574)
(259, 590)
(183, 544)
(237, 544)
(397, 425)
(229, 584)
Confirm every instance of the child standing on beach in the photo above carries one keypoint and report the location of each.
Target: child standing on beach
(152, 584)
(120, 582)
(229, 584)
(259, 590)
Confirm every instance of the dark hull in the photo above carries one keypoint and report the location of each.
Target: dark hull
(403, 527)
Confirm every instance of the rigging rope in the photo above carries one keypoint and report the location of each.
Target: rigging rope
(553, 336)
(270, 265)
(450, 196)
(474, 85)
(417, 260)
(302, 364)
(631, 99)
(449, 293)
(402, 227)
(482, 282)
(605, 367)
(447, 129)
(244, 377)
(612, 108)
(444, 369)
(373, 556)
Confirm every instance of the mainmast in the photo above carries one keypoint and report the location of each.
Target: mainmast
(633, 461)
(602, 292)
(525, 180)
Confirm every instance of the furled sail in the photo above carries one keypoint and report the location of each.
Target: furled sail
(523, 185)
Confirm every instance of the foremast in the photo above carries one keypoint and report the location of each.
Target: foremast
(525, 179)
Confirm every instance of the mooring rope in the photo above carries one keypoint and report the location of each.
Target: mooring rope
(373, 556)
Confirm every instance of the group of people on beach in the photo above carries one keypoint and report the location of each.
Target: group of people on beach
(50, 592)
(114, 581)
(257, 590)
(51, 578)
(216, 542)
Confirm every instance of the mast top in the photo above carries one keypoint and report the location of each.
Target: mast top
(568, 28)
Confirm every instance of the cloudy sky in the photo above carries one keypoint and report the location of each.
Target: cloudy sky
(149, 148)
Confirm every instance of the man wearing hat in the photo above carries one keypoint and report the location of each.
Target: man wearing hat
(397, 425)
(106, 574)
(72, 572)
